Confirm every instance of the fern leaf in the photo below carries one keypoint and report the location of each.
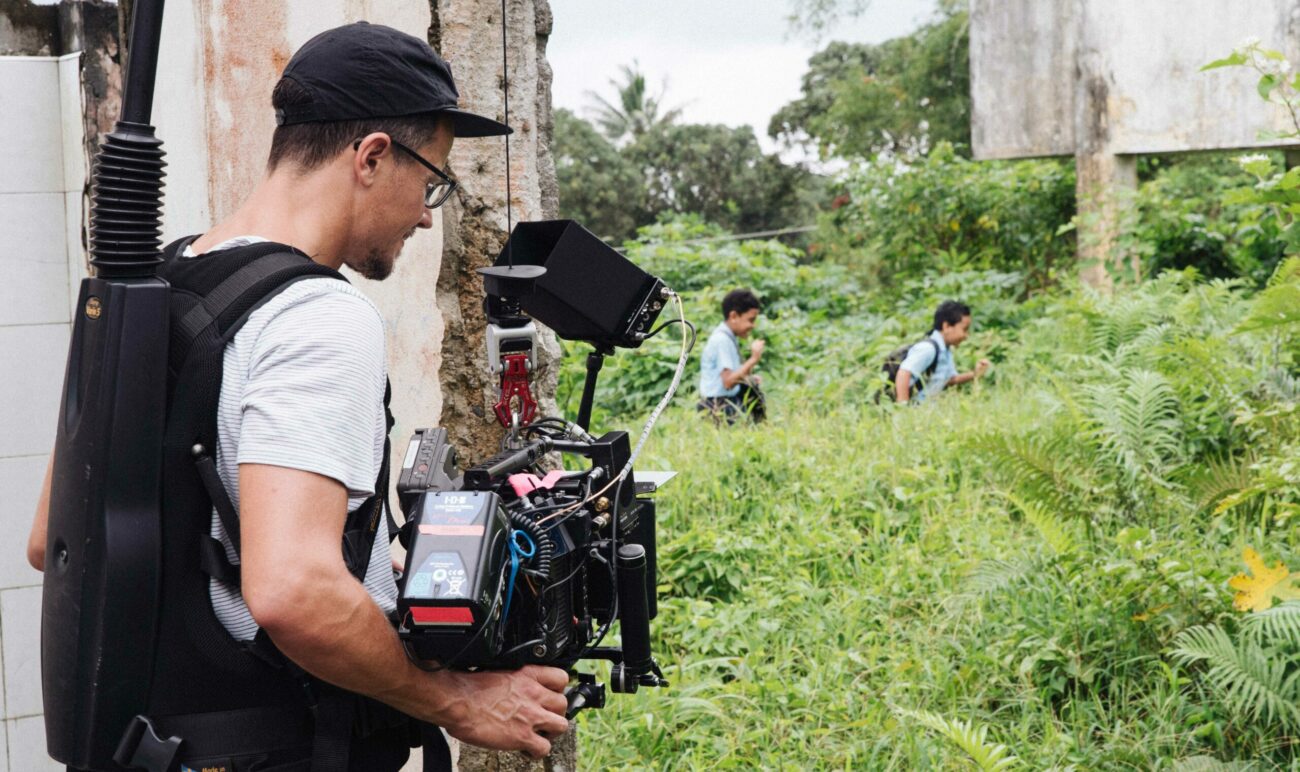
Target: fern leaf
(1137, 422)
(991, 577)
(1252, 682)
(973, 740)
(1057, 535)
(1278, 624)
(1046, 470)
(1219, 478)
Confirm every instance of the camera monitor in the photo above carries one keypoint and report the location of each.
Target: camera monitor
(589, 292)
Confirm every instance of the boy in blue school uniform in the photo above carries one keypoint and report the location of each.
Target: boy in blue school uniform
(951, 328)
(722, 373)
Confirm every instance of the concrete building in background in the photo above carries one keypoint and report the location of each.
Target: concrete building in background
(60, 86)
(1108, 80)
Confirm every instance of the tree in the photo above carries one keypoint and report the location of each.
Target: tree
(815, 17)
(598, 187)
(902, 96)
(634, 112)
(722, 174)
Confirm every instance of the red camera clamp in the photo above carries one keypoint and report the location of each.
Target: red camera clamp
(510, 354)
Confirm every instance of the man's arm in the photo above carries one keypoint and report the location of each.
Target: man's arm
(36, 539)
(299, 590)
(981, 367)
(732, 377)
(902, 386)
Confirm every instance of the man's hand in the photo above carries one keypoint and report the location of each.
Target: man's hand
(982, 367)
(756, 349)
(521, 710)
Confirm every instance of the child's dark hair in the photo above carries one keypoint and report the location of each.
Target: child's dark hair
(950, 312)
(740, 301)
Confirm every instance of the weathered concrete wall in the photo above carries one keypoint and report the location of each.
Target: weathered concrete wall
(1143, 68)
(27, 29)
(1107, 80)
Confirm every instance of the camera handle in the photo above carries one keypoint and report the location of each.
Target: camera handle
(595, 361)
(587, 693)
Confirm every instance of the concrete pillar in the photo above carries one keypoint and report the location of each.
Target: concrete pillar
(468, 34)
(1105, 181)
(1105, 185)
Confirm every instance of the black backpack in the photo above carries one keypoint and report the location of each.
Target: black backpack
(226, 698)
(895, 360)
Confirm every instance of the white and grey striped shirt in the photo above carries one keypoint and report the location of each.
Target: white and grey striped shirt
(303, 388)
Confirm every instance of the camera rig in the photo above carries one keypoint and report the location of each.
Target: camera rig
(509, 563)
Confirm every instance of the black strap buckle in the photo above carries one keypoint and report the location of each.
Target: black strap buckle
(141, 748)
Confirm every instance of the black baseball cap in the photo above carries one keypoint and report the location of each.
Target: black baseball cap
(361, 71)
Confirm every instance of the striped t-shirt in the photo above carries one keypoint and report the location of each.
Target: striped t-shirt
(303, 388)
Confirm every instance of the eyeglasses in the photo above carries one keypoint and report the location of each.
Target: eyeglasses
(435, 193)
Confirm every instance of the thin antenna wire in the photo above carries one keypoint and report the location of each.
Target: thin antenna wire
(505, 88)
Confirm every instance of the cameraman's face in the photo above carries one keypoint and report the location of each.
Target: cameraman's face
(395, 208)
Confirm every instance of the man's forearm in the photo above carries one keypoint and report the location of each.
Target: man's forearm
(340, 636)
(732, 377)
(40, 522)
(958, 380)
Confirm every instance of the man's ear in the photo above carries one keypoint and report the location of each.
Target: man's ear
(366, 156)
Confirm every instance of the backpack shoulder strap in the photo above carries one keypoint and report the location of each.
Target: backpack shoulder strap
(223, 302)
(933, 362)
(228, 285)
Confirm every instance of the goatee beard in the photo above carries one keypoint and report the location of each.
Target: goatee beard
(373, 266)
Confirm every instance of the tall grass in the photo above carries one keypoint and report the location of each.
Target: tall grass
(996, 580)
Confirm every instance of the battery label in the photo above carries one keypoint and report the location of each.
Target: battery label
(441, 575)
(453, 509)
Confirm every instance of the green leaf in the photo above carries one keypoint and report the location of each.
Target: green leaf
(1267, 84)
(1259, 166)
(1234, 59)
(1290, 180)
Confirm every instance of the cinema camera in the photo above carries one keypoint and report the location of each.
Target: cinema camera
(507, 563)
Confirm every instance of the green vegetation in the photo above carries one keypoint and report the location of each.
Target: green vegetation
(898, 97)
(1035, 573)
(641, 166)
(1028, 575)
(944, 213)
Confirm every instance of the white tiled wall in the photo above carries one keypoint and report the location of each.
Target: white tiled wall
(42, 174)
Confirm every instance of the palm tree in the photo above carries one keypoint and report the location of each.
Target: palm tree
(634, 112)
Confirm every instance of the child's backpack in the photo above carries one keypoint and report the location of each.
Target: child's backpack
(895, 360)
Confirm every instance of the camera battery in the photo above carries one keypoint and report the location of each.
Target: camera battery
(452, 568)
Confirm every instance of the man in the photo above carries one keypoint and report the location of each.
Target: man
(951, 328)
(366, 116)
(722, 374)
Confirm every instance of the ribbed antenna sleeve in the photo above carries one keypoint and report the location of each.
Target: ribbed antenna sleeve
(126, 203)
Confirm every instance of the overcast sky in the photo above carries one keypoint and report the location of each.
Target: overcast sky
(725, 61)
